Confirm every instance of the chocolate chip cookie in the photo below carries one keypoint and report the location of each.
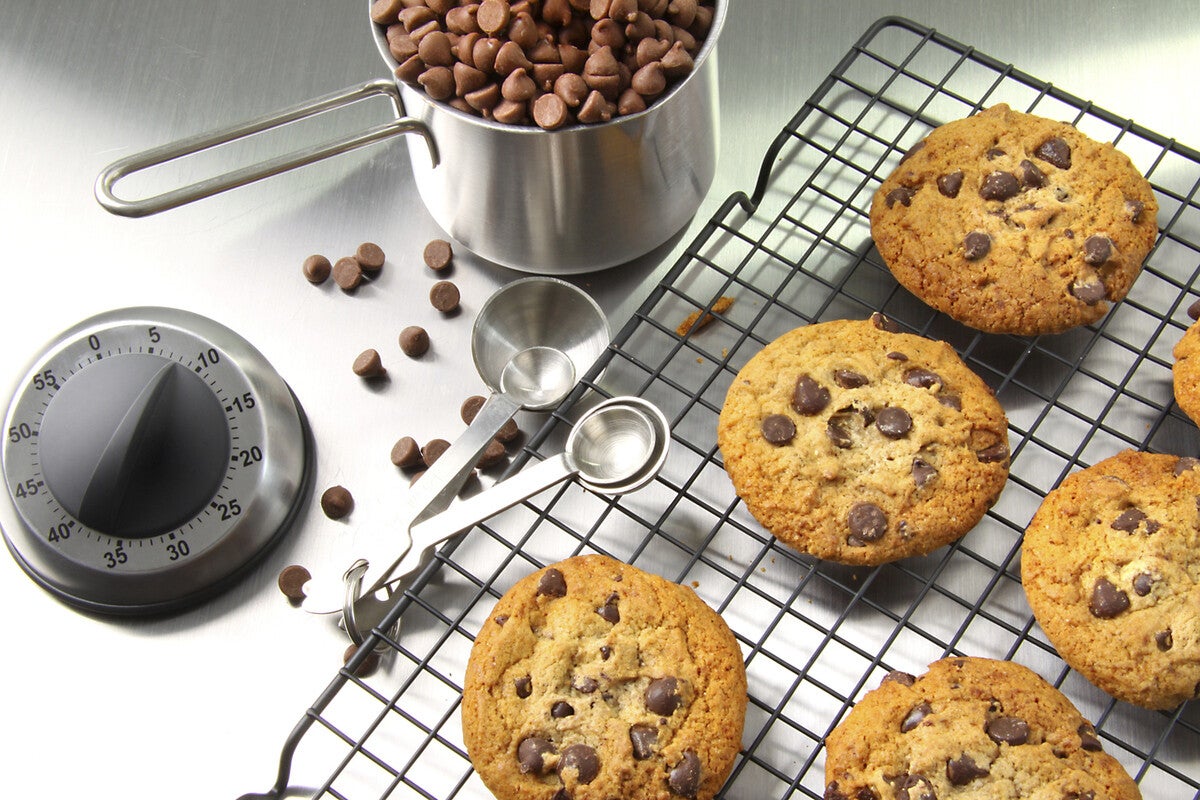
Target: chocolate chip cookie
(969, 728)
(1111, 567)
(1012, 223)
(593, 680)
(855, 443)
(1186, 369)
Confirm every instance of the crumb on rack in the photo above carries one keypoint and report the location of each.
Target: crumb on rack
(698, 319)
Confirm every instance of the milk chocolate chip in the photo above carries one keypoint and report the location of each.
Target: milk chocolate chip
(291, 582)
(778, 429)
(414, 341)
(809, 397)
(370, 256)
(347, 274)
(406, 453)
(684, 779)
(437, 254)
(1107, 600)
(1008, 730)
(317, 268)
(444, 296)
(662, 696)
(368, 364)
(583, 760)
(337, 502)
(552, 584)
(433, 450)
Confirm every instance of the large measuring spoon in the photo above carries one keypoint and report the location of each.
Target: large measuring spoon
(531, 340)
(617, 447)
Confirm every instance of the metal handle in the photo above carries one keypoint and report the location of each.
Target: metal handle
(240, 177)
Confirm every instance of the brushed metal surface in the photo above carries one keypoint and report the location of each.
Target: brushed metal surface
(197, 705)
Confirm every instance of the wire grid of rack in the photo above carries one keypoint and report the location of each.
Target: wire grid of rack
(815, 635)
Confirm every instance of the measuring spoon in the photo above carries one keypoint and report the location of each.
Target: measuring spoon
(617, 447)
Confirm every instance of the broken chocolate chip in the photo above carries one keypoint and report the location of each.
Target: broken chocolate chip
(1128, 520)
(999, 186)
(992, 455)
(950, 400)
(1186, 462)
(662, 696)
(1134, 209)
(912, 787)
(605, 652)
(778, 429)
(809, 397)
(1031, 176)
(893, 422)
(552, 584)
(1097, 250)
(922, 472)
(1087, 737)
(583, 759)
(949, 185)
(962, 770)
(917, 713)
(901, 194)
(897, 676)
(849, 379)
(1008, 730)
(561, 709)
(1143, 584)
(684, 779)
(531, 754)
(500, 619)
(1163, 640)
(643, 738)
(976, 245)
(1107, 600)
(524, 686)
(837, 430)
(1055, 151)
(994, 152)
(867, 523)
(922, 378)
(1090, 291)
(884, 323)
(585, 685)
(609, 611)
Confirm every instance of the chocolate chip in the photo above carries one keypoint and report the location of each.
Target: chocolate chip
(684, 779)
(291, 582)
(1128, 520)
(884, 323)
(914, 717)
(370, 257)
(1091, 291)
(902, 678)
(368, 364)
(609, 611)
(950, 400)
(365, 667)
(1143, 584)
(809, 397)
(347, 274)
(1097, 250)
(867, 523)
(550, 111)
(605, 652)
(438, 254)
(896, 355)
(1031, 176)
(524, 686)
(893, 422)
(561, 709)
(1055, 151)
(406, 453)
(643, 738)
(433, 450)
(901, 194)
(1107, 600)
(1186, 462)
(316, 268)
(993, 454)
(1134, 209)
(916, 148)
(585, 685)
(470, 408)
(849, 379)
(837, 430)
(662, 696)
(337, 502)
(531, 753)
(913, 787)
(492, 455)
(552, 584)
(444, 296)
(778, 429)
(922, 472)
(500, 619)
(994, 152)
(922, 378)
(976, 245)
(1008, 730)
(962, 770)
(949, 185)
(1164, 640)
(583, 760)
(1088, 739)
(414, 341)
(999, 186)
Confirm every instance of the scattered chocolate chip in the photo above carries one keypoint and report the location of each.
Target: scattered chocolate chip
(370, 257)
(976, 245)
(1096, 250)
(438, 254)
(433, 450)
(492, 455)
(949, 185)
(778, 429)
(867, 523)
(999, 186)
(364, 668)
(901, 194)
(1128, 520)
(838, 431)
(561, 709)
(1164, 640)
(849, 379)
(1008, 730)
(992, 455)
(414, 341)
(962, 770)
(552, 583)
(337, 502)
(917, 713)
(531, 753)
(444, 296)
(809, 397)
(684, 779)
(1134, 209)
(406, 453)
(317, 268)
(291, 583)
(922, 472)
(585, 684)
(902, 678)
(1031, 176)
(922, 378)
(1143, 584)
(347, 274)
(1055, 151)
(1186, 462)
(609, 611)
(368, 364)
(662, 696)
(893, 422)
(582, 759)
(643, 738)
(523, 686)
(1107, 600)
(1090, 291)
(1088, 739)
(884, 323)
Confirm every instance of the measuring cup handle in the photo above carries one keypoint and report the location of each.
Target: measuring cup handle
(240, 177)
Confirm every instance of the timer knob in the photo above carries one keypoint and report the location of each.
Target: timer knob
(134, 445)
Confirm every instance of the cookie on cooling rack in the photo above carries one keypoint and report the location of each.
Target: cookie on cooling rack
(1186, 369)
(593, 680)
(969, 727)
(858, 444)
(1012, 223)
(1111, 567)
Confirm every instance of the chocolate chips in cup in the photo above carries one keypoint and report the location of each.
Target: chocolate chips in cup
(548, 63)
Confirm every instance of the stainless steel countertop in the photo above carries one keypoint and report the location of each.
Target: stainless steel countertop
(197, 705)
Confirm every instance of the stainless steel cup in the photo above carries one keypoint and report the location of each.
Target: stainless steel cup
(572, 200)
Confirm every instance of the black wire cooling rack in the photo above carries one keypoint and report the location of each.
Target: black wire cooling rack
(815, 635)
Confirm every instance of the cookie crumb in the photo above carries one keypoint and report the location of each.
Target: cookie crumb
(698, 319)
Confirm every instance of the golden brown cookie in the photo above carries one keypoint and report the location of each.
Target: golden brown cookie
(1012, 223)
(1185, 371)
(593, 680)
(1111, 567)
(970, 728)
(858, 444)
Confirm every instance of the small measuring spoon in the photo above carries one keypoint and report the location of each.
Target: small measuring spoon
(617, 447)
